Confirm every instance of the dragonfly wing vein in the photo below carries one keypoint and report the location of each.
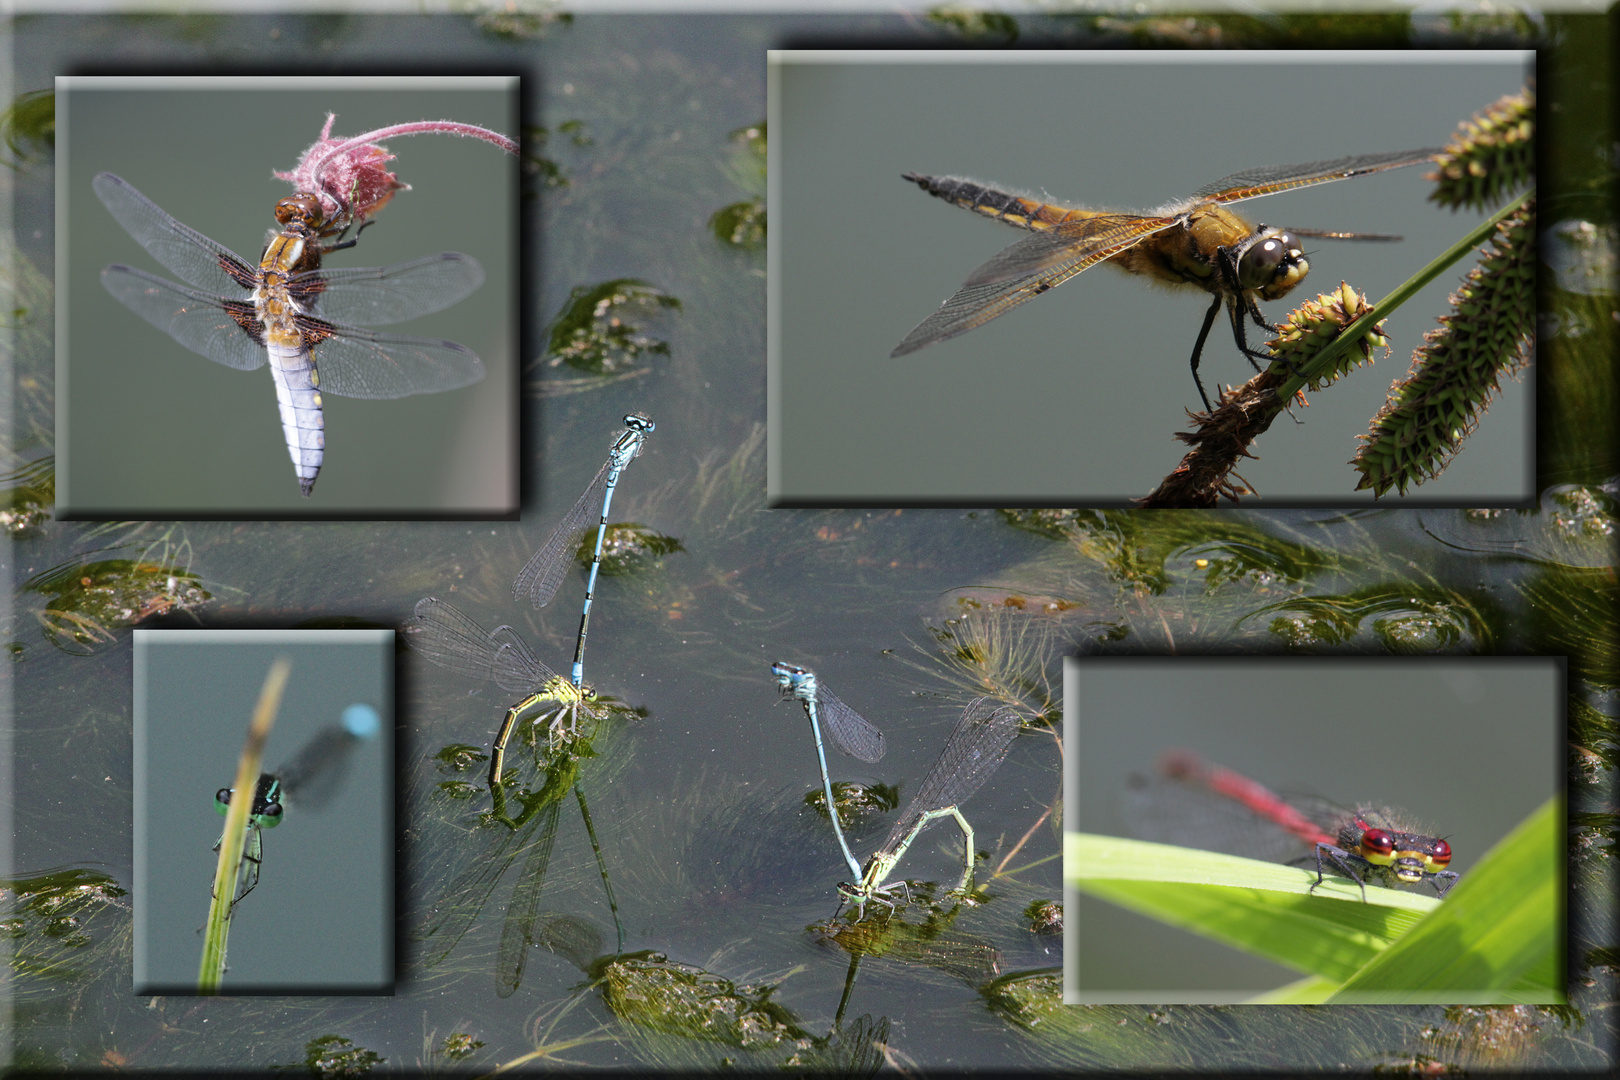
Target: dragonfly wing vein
(372, 295)
(198, 322)
(847, 729)
(1253, 183)
(543, 574)
(1028, 268)
(182, 249)
(360, 364)
(975, 750)
(516, 668)
(448, 638)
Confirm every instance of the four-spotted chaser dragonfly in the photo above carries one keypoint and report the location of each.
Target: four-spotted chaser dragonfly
(1196, 242)
(286, 308)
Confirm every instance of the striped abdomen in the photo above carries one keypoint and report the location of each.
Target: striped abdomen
(1016, 210)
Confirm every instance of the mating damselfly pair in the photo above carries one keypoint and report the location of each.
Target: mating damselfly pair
(449, 638)
(975, 750)
(565, 710)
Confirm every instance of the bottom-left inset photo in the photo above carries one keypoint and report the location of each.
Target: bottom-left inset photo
(294, 891)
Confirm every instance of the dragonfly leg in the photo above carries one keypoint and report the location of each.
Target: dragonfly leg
(1451, 877)
(1198, 349)
(1338, 858)
(1241, 333)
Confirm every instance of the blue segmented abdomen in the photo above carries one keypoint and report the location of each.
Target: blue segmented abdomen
(302, 422)
(1016, 210)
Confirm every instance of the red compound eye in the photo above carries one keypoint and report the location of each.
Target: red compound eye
(1440, 855)
(1377, 842)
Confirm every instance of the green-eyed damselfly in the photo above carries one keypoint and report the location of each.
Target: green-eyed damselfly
(445, 636)
(309, 780)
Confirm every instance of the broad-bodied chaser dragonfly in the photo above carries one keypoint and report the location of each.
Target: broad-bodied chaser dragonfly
(290, 311)
(1195, 242)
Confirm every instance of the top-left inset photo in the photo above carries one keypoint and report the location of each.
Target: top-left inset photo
(287, 297)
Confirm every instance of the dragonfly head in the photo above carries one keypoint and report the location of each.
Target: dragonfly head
(1271, 262)
(853, 895)
(301, 214)
(789, 677)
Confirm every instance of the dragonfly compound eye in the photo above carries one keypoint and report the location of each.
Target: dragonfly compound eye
(1377, 846)
(1439, 856)
(270, 816)
(1274, 265)
(222, 799)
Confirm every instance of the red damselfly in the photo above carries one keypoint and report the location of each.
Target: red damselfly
(1194, 803)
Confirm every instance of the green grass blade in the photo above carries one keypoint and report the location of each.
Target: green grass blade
(1497, 938)
(1262, 908)
(211, 969)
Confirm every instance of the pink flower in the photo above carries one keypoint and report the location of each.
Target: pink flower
(348, 175)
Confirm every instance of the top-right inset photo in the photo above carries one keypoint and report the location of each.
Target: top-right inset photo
(1237, 212)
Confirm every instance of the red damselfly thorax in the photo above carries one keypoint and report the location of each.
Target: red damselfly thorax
(1197, 804)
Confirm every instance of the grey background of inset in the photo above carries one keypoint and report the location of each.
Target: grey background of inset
(1468, 746)
(1074, 396)
(321, 918)
(146, 425)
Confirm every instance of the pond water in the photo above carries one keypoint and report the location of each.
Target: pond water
(715, 946)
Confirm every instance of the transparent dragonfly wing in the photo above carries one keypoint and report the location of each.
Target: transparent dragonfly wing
(975, 750)
(209, 266)
(373, 295)
(1028, 268)
(543, 574)
(847, 729)
(445, 636)
(1268, 179)
(312, 777)
(450, 639)
(207, 325)
(516, 668)
(517, 930)
(1167, 810)
(361, 364)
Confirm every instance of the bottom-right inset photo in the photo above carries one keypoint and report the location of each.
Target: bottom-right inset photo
(1309, 830)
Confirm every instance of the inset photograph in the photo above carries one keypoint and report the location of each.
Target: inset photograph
(309, 908)
(1307, 831)
(211, 227)
(1009, 276)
